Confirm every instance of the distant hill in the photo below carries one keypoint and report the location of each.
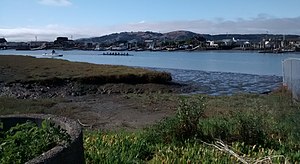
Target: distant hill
(139, 37)
(142, 36)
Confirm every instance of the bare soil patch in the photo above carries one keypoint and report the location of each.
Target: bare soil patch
(121, 106)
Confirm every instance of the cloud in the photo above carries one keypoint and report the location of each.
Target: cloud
(55, 2)
(259, 25)
(46, 33)
(141, 22)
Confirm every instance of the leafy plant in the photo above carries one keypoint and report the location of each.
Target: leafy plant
(26, 141)
(116, 148)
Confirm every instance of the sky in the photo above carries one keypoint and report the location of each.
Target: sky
(24, 20)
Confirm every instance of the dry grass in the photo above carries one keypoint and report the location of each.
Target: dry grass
(26, 69)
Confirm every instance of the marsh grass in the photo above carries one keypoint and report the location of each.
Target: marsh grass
(55, 71)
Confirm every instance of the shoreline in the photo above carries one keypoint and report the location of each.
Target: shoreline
(122, 51)
(108, 106)
(186, 81)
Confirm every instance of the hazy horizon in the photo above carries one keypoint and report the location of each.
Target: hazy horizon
(24, 20)
(71, 37)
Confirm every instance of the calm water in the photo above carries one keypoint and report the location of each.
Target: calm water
(216, 61)
(208, 72)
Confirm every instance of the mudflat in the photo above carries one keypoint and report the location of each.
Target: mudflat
(98, 96)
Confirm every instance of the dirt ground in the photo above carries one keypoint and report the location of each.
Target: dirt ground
(104, 107)
(116, 111)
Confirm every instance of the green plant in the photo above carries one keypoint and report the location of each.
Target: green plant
(218, 127)
(188, 115)
(181, 127)
(116, 148)
(26, 141)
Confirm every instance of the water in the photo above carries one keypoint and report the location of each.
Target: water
(217, 61)
(213, 72)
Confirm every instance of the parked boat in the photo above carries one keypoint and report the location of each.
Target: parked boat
(277, 51)
(266, 51)
(53, 55)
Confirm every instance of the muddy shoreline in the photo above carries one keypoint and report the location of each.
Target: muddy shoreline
(75, 89)
(112, 106)
(105, 107)
(102, 107)
(224, 83)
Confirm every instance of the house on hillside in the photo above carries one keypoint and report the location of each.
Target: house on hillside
(244, 44)
(3, 43)
(150, 44)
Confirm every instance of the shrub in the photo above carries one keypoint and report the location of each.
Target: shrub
(181, 127)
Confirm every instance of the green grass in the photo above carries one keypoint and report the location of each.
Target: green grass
(29, 69)
(227, 129)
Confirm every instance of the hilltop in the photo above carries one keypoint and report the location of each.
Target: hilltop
(142, 36)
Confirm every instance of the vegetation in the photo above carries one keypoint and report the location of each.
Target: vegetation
(23, 142)
(22, 106)
(224, 129)
(239, 128)
(29, 69)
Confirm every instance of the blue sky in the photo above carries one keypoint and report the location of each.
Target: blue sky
(25, 19)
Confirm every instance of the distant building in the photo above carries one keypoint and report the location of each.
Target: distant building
(35, 44)
(3, 43)
(63, 43)
(61, 40)
(150, 44)
(212, 44)
(3, 40)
